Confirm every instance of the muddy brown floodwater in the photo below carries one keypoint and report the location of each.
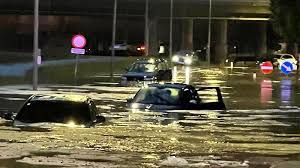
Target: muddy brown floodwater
(260, 129)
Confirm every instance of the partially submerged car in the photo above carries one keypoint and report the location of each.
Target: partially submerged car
(147, 71)
(177, 97)
(184, 57)
(284, 58)
(66, 109)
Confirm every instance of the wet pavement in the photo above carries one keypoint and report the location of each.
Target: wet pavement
(261, 127)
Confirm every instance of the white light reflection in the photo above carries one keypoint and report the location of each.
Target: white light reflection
(174, 74)
(187, 74)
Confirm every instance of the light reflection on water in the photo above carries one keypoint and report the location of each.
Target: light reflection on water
(286, 91)
(266, 91)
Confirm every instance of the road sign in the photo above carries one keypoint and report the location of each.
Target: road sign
(266, 67)
(78, 41)
(286, 67)
(77, 51)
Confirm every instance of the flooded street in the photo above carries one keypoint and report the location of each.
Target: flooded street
(260, 128)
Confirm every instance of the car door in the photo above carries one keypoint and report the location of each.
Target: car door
(210, 98)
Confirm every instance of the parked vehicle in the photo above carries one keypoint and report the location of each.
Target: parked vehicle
(67, 109)
(177, 97)
(147, 70)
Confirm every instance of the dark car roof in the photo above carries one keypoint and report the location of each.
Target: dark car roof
(170, 85)
(60, 97)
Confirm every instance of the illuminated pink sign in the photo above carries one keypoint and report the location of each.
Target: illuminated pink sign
(78, 41)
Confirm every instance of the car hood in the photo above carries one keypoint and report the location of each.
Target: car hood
(139, 75)
(45, 125)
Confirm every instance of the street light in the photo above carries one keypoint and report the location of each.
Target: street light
(35, 45)
(113, 38)
(209, 35)
(171, 29)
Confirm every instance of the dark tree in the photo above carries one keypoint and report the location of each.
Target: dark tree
(286, 21)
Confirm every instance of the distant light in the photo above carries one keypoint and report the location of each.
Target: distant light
(39, 60)
(151, 60)
(175, 58)
(71, 124)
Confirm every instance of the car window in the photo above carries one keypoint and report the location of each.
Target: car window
(153, 95)
(54, 111)
(287, 57)
(141, 67)
(184, 53)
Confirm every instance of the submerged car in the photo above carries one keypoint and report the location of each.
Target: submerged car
(73, 110)
(177, 97)
(148, 70)
(185, 57)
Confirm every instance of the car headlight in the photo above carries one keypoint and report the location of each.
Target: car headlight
(175, 58)
(124, 78)
(188, 61)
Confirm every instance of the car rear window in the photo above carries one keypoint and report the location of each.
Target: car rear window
(287, 57)
(54, 111)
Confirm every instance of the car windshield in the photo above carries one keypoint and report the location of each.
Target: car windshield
(54, 111)
(142, 67)
(185, 53)
(161, 96)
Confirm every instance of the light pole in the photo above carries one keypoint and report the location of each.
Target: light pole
(146, 27)
(35, 45)
(209, 35)
(113, 38)
(171, 29)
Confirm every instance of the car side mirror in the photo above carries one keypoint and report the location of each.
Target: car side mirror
(100, 119)
(8, 116)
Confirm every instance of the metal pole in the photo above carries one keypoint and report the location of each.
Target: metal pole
(209, 35)
(35, 45)
(147, 28)
(171, 29)
(76, 69)
(113, 38)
